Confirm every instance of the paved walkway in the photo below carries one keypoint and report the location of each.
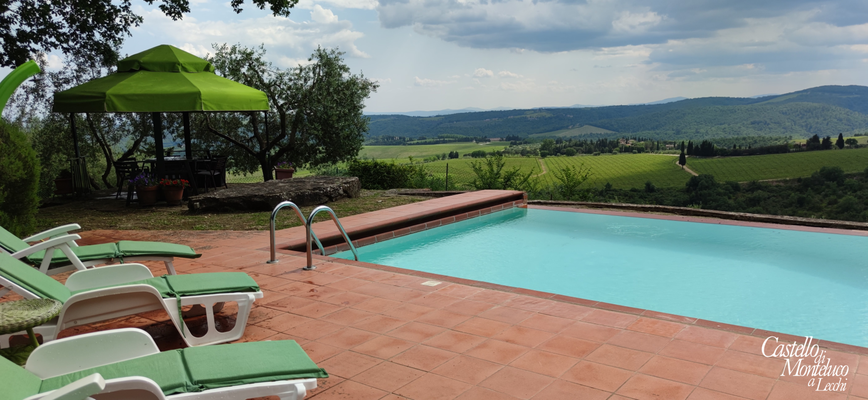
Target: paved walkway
(383, 333)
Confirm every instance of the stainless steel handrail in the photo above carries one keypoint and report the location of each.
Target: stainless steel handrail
(307, 230)
(310, 233)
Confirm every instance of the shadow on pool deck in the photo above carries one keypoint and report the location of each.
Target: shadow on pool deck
(382, 332)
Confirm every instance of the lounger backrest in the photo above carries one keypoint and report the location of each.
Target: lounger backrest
(11, 242)
(31, 279)
(17, 382)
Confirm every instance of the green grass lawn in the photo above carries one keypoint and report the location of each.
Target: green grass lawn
(402, 153)
(779, 166)
(622, 171)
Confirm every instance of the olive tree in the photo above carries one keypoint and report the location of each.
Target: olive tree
(315, 118)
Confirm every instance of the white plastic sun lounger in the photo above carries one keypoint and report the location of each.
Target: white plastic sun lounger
(114, 291)
(131, 367)
(58, 246)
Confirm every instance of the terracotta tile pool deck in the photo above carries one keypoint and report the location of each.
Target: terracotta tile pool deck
(387, 333)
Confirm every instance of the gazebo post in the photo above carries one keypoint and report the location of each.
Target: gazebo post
(188, 145)
(158, 143)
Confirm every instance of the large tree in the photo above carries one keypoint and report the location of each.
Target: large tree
(316, 111)
(96, 26)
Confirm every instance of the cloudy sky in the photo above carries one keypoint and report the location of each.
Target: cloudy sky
(452, 54)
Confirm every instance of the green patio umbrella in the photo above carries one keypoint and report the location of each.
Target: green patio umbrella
(161, 79)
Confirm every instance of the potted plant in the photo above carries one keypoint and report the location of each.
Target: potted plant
(173, 190)
(146, 189)
(283, 170)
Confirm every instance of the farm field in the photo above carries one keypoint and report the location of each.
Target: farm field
(779, 166)
(460, 173)
(402, 153)
(623, 171)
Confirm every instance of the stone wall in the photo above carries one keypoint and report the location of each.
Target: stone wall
(264, 196)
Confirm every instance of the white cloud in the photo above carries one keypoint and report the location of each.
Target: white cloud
(431, 82)
(507, 74)
(278, 34)
(629, 22)
(483, 73)
(323, 16)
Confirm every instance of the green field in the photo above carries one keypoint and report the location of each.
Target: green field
(779, 166)
(460, 173)
(623, 171)
(583, 130)
(402, 153)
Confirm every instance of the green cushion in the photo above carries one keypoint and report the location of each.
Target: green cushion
(166, 369)
(11, 242)
(17, 382)
(242, 363)
(84, 253)
(128, 248)
(34, 281)
(195, 369)
(197, 284)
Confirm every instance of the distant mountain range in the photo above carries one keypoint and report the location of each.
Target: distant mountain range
(824, 111)
(474, 109)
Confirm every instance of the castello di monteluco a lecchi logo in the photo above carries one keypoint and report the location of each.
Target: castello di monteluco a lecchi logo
(798, 358)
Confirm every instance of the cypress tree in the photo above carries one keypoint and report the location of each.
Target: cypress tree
(840, 141)
(682, 159)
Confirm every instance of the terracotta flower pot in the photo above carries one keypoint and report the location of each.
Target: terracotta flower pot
(173, 194)
(283, 173)
(147, 195)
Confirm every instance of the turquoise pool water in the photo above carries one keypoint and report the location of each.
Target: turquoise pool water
(801, 283)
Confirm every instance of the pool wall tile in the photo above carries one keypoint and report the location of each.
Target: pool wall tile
(725, 327)
(669, 317)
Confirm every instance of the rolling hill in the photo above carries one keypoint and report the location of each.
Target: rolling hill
(823, 111)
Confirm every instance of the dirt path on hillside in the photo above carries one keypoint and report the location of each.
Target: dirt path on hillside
(686, 169)
(542, 165)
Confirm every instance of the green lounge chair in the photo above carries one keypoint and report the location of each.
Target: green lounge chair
(99, 294)
(133, 367)
(63, 249)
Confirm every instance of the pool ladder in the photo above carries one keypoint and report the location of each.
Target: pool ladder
(308, 232)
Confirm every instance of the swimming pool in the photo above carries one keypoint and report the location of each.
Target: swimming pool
(801, 283)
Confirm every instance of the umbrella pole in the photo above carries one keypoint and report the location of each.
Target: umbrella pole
(188, 145)
(158, 143)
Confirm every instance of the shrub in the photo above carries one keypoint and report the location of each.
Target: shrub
(19, 181)
(380, 175)
(478, 154)
(490, 175)
(569, 152)
(571, 179)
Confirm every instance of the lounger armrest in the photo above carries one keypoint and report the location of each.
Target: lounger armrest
(109, 275)
(60, 241)
(92, 350)
(60, 230)
(79, 390)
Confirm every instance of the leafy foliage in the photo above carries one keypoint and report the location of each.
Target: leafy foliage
(490, 175)
(92, 29)
(571, 179)
(828, 193)
(317, 111)
(19, 180)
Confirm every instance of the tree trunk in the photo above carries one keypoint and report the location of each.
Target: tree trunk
(106, 151)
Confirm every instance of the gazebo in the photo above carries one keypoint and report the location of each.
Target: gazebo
(163, 79)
